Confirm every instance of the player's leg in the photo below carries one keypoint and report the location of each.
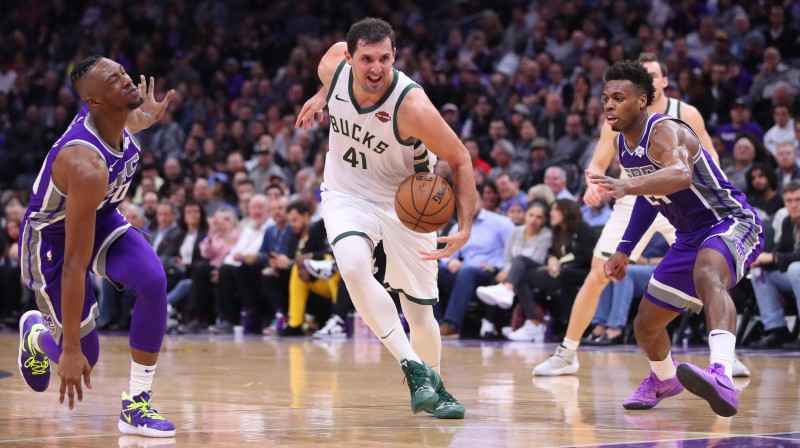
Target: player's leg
(354, 257)
(724, 254)
(132, 262)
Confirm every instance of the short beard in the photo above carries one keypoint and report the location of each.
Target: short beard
(135, 105)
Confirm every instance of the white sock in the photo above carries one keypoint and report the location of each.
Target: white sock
(397, 343)
(36, 343)
(141, 378)
(722, 344)
(664, 369)
(569, 344)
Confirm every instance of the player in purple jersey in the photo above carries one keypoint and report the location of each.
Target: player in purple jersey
(718, 235)
(72, 224)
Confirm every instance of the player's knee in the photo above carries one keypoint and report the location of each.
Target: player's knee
(151, 281)
(354, 268)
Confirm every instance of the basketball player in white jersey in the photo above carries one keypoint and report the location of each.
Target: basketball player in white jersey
(565, 360)
(379, 121)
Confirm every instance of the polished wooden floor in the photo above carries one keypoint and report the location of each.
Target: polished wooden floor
(266, 392)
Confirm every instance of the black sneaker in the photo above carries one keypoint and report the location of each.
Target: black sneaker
(288, 331)
(774, 339)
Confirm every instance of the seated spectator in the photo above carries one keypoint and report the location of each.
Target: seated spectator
(508, 190)
(597, 216)
(540, 160)
(782, 131)
(503, 154)
(555, 177)
(475, 264)
(10, 282)
(525, 251)
(308, 241)
(762, 191)
(787, 170)
(490, 197)
(222, 235)
(778, 273)
(516, 211)
(183, 254)
(542, 193)
(274, 280)
(240, 273)
(745, 152)
(614, 306)
(568, 263)
(740, 123)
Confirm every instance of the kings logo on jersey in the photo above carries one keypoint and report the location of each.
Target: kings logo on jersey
(383, 116)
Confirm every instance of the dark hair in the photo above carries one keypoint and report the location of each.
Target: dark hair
(299, 206)
(634, 72)
(792, 186)
(371, 31)
(492, 186)
(572, 220)
(275, 187)
(202, 225)
(650, 57)
(543, 205)
(82, 68)
(771, 176)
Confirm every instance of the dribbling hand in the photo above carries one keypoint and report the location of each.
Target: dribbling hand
(616, 267)
(454, 241)
(72, 366)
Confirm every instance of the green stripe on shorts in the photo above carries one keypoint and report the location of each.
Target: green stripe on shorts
(350, 233)
(410, 297)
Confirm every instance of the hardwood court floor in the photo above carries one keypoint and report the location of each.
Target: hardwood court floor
(266, 392)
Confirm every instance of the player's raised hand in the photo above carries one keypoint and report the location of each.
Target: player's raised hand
(72, 367)
(616, 267)
(454, 241)
(611, 186)
(155, 109)
(310, 109)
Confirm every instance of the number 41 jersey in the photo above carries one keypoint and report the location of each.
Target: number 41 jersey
(710, 199)
(47, 207)
(366, 156)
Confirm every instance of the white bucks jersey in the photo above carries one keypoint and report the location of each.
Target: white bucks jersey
(367, 158)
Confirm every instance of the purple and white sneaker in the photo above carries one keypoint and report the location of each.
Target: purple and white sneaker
(138, 418)
(711, 385)
(652, 391)
(33, 366)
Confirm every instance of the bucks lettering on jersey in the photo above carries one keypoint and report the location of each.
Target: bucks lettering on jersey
(710, 199)
(366, 157)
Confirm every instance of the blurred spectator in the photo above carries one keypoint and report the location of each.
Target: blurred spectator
(503, 156)
(782, 131)
(787, 170)
(740, 122)
(762, 191)
(555, 177)
(475, 264)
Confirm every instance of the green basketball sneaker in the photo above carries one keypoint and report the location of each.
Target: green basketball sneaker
(447, 406)
(420, 380)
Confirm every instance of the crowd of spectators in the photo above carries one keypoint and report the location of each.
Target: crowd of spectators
(519, 81)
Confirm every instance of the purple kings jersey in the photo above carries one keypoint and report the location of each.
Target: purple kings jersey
(709, 200)
(47, 207)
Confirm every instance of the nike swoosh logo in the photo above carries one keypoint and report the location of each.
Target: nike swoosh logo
(715, 334)
(149, 370)
(661, 394)
(725, 385)
(340, 99)
(127, 417)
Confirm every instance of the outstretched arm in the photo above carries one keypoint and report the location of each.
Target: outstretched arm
(80, 173)
(151, 110)
(418, 118)
(667, 146)
(326, 70)
(603, 155)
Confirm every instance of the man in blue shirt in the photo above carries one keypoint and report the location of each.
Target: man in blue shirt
(475, 264)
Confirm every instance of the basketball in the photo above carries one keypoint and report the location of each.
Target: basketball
(424, 202)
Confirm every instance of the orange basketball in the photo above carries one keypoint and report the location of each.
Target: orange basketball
(424, 202)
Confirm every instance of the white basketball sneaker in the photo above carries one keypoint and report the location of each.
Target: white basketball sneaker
(563, 362)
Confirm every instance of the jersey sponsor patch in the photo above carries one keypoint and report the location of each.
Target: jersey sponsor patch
(383, 116)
